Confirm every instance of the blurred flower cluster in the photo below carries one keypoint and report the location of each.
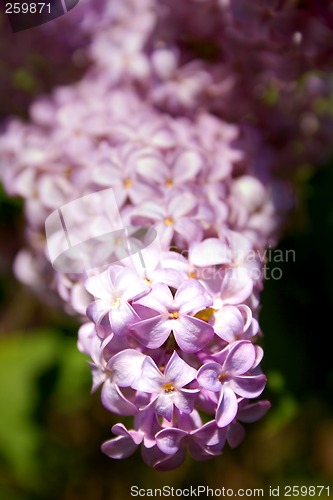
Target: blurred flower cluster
(192, 113)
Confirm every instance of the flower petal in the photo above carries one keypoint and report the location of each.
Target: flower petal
(122, 446)
(253, 412)
(248, 387)
(227, 407)
(229, 323)
(192, 334)
(119, 447)
(178, 372)
(152, 332)
(114, 400)
(241, 357)
(210, 252)
(170, 462)
(187, 165)
(192, 297)
(164, 404)
(121, 318)
(159, 299)
(126, 366)
(169, 440)
(235, 434)
(208, 376)
(184, 399)
(150, 379)
(236, 286)
(181, 204)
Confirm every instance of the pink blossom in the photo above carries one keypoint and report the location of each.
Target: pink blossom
(177, 314)
(167, 388)
(229, 376)
(113, 289)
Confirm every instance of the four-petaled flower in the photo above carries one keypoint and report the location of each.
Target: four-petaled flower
(113, 289)
(166, 314)
(167, 387)
(229, 376)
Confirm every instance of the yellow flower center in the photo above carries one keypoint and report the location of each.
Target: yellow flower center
(168, 387)
(128, 183)
(205, 314)
(168, 221)
(116, 302)
(173, 315)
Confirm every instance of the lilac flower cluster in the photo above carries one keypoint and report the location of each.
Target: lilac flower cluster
(176, 336)
(181, 176)
(159, 117)
(173, 341)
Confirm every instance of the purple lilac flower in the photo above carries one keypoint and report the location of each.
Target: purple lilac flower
(113, 290)
(174, 314)
(229, 375)
(188, 144)
(167, 387)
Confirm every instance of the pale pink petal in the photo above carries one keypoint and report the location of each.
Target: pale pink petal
(240, 358)
(184, 399)
(235, 434)
(229, 323)
(178, 372)
(151, 377)
(227, 407)
(208, 376)
(126, 366)
(186, 166)
(164, 404)
(181, 205)
(114, 400)
(151, 332)
(192, 334)
(192, 297)
(121, 318)
(119, 447)
(236, 286)
(248, 387)
(169, 440)
(209, 252)
(152, 167)
(253, 412)
(159, 299)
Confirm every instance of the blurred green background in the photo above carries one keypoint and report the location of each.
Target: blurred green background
(51, 427)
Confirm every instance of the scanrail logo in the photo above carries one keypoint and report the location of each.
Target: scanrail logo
(27, 14)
